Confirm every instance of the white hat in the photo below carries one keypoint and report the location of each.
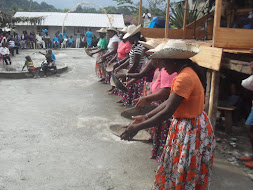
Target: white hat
(174, 49)
(102, 30)
(112, 29)
(123, 30)
(131, 30)
(149, 44)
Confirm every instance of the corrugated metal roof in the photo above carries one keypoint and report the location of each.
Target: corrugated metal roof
(75, 19)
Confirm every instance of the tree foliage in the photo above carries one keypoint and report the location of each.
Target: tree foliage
(177, 16)
(12, 6)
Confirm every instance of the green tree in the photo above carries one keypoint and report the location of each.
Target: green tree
(14, 8)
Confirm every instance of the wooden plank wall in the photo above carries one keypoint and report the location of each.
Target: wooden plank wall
(174, 33)
(233, 38)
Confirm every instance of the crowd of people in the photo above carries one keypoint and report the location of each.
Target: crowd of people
(14, 41)
(144, 72)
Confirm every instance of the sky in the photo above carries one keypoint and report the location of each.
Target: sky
(61, 4)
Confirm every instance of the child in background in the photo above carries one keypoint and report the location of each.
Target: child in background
(30, 67)
(5, 52)
(70, 41)
(50, 63)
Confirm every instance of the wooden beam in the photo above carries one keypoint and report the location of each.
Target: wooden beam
(213, 100)
(217, 18)
(209, 57)
(140, 13)
(200, 21)
(208, 87)
(185, 18)
(167, 20)
(236, 65)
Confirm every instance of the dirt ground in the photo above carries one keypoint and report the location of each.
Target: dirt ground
(54, 135)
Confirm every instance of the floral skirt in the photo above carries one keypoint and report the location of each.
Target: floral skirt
(134, 91)
(105, 63)
(146, 89)
(159, 137)
(187, 160)
(100, 72)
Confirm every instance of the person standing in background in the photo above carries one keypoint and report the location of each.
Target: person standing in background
(78, 36)
(89, 36)
(146, 18)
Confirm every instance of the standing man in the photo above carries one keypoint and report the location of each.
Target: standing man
(89, 36)
(78, 36)
(146, 18)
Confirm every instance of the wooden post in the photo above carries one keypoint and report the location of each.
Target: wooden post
(213, 100)
(185, 18)
(140, 13)
(208, 86)
(167, 19)
(217, 18)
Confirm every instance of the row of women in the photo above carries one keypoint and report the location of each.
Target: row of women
(162, 75)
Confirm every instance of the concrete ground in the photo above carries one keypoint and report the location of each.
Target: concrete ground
(54, 135)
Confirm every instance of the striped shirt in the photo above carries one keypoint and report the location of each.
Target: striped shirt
(138, 50)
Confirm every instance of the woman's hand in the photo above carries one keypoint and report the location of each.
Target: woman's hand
(102, 58)
(138, 119)
(141, 102)
(116, 70)
(129, 133)
(125, 84)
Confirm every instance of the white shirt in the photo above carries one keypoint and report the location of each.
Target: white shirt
(11, 43)
(4, 51)
(39, 38)
(147, 17)
(115, 38)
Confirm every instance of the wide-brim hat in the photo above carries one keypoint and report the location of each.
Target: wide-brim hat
(174, 49)
(151, 44)
(112, 29)
(132, 30)
(102, 30)
(123, 30)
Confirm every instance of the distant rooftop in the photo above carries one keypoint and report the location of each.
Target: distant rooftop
(75, 19)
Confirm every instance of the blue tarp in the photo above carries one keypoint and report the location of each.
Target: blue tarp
(157, 22)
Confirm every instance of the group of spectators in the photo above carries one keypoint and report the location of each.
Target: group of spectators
(144, 72)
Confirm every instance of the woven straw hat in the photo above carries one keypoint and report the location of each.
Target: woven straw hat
(151, 44)
(102, 30)
(112, 29)
(132, 30)
(174, 49)
(123, 30)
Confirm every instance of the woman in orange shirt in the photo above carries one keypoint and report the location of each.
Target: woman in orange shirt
(187, 159)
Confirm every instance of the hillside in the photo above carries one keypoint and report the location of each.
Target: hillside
(11, 6)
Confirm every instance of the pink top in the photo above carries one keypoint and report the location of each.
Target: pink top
(124, 49)
(161, 80)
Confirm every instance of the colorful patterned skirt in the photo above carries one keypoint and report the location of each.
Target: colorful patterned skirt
(105, 63)
(134, 91)
(100, 72)
(187, 160)
(159, 136)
